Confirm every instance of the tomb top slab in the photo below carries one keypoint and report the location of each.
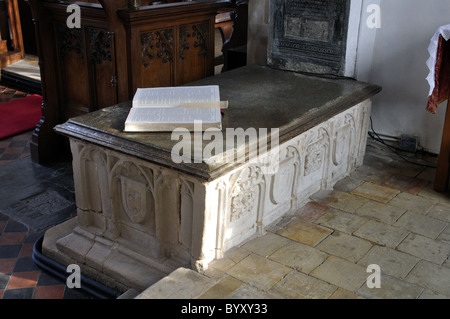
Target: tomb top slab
(259, 97)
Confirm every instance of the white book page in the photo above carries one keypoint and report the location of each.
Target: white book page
(174, 115)
(174, 96)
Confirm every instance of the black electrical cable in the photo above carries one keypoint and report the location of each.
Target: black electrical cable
(374, 135)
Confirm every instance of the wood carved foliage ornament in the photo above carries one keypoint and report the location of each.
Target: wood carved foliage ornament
(157, 44)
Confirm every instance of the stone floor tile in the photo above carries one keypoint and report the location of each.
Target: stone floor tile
(258, 271)
(347, 184)
(266, 245)
(391, 262)
(428, 294)
(381, 233)
(414, 203)
(236, 254)
(299, 256)
(420, 224)
(425, 248)
(20, 293)
(296, 285)
(345, 246)
(382, 212)
(392, 288)
(431, 276)
(311, 211)
(409, 184)
(428, 174)
(432, 195)
(222, 289)
(305, 232)
(341, 221)
(344, 294)
(23, 279)
(440, 211)
(445, 235)
(340, 200)
(222, 264)
(341, 273)
(249, 292)
(53, 292)
(375, 192)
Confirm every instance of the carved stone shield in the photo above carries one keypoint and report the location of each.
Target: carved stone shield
(134, 198)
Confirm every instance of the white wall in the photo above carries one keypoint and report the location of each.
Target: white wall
(400, 52)
(393, 56)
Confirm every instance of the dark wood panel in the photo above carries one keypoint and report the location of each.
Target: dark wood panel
(116, 51)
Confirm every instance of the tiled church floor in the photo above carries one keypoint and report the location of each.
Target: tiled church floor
(20, 278)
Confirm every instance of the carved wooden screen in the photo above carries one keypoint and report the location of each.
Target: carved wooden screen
(87, 73)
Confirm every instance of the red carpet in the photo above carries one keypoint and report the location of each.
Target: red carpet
(19, 115)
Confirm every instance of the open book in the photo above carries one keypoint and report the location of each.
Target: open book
(168, 108)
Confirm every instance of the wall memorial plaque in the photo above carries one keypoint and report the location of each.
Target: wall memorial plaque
(308, 35)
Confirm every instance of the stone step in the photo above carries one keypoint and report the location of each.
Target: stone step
(182, 283)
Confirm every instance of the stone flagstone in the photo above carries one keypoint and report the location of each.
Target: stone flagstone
(414, 203)
(440, 211)
(266, 245)
(432, 276)
(258, 271)
(345, 246)
(420, 224)
(382, 212)
(339, 200)
(391, 262)
(375, 192)
(305, 232)
(381, 233)
(299, 256)
(341, 221)
(391, 288)
(425, 248)
(297, 285)
(341, 273)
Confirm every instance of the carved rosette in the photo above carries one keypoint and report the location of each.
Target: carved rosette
(316, 153)
(246, 194)
(157, 44)
(244, 197)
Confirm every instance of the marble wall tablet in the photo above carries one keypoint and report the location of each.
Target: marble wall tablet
(308, 35)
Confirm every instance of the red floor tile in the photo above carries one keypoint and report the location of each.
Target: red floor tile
(50, 292)
(23, 279)
(2, 226)
(26, 251)
(12, 238)
(7, 265)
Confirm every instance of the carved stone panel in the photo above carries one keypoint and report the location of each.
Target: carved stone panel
(133, 205)
(308, 35)
(246, 204)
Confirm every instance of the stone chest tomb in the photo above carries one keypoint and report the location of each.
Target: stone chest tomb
(141, 215)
